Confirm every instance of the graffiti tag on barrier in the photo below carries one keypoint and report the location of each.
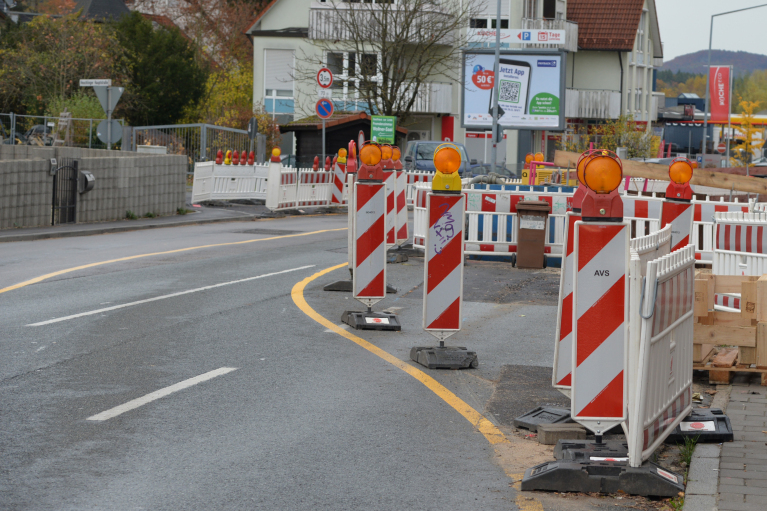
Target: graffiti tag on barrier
(444, 229)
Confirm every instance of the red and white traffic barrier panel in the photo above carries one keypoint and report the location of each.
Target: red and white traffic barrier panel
(369, 253)
(563, 347)
(731, 301)
(339, 179)
(390, 181)
(401, 209)
(679, 216)
(740, 244)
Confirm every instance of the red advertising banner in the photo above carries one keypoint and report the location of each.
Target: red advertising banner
(719, 90)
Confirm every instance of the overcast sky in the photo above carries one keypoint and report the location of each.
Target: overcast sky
(684, 26)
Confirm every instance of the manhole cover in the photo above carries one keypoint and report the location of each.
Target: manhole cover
(271, 232)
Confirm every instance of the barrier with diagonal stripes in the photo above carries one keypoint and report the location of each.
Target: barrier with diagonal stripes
(390, 181)
(401, 207)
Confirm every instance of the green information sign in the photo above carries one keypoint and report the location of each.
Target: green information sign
(382, 128)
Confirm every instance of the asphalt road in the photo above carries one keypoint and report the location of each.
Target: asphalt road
(305, 420)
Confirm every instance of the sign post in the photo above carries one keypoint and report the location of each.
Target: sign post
(324, 106)
(324, 109)
(108, 97)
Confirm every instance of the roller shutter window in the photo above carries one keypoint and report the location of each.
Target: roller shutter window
(278, 73)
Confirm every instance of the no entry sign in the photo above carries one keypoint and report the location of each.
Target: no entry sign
(324, 108)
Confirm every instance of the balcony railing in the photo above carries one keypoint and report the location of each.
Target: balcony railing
(592, 104)
(361, 22)
(432, 98)
(570, 28)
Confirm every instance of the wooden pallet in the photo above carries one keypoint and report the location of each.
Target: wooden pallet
(744, 331)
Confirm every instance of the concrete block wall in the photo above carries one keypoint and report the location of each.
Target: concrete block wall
(26, 193)
(124, 182)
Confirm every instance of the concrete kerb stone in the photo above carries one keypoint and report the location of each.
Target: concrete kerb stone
(703, 475)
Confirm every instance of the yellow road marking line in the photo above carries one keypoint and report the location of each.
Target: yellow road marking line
(487, 428)
(91, 265)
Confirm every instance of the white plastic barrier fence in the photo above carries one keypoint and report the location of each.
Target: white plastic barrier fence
(413, 178)
(226, 182)
(652, 246)
(314, 188)
(663, 387)
(741, 244)
(491, 231)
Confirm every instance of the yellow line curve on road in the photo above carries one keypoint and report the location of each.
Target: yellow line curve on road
(484, 426)
(139, 256)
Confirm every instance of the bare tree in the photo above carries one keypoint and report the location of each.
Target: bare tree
(384, 54)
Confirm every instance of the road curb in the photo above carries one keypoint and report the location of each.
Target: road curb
(125, 228)
(702, 488)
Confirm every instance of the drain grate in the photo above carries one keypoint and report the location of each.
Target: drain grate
(272, 232)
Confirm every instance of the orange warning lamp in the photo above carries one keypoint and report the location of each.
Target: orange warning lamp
(351, 160)
(528, 158)
(447, 161)
(538, 157)
(276, 152)
(580, 191)
(386, 154)
(396, 155)
(371, 168)
(342, 155)
(680, 173)
(602, 174)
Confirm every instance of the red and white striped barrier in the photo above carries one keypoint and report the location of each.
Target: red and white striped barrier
(401, 209)
(339, 179)
(741, 244)
(370, 242)
(390, 181)
(563, 344)
(413, 178)
(679, 215)
(443, 264)
(652, 246)
(313, 188)
(600, 325)
(664, 376)
(729, 301)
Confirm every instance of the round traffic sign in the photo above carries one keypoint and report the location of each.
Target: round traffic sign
(324, 108)
(721, 148)
(324, 78)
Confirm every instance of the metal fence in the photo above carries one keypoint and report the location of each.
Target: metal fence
(198, 142)
(43, 130)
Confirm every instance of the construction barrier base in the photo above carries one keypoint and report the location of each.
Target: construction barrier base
(586, 450)
(447, 357)
(649, 480)
(709, 426)
(371, 320)
(542, 415)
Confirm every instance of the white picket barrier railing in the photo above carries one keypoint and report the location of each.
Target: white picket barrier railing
(493, 231)
(654, 245)
(226, 182)
(413, 179)
(741, 244)
(314, 188)
(662, 390)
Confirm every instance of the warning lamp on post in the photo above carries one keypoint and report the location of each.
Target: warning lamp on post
(228, 159)
(370, 162)
(351, 160)
(386, 156)
(396, 155)
(680, 173)
(580, 192)
(447, 161)
(276, 152)
(341, 155)
(602, 175)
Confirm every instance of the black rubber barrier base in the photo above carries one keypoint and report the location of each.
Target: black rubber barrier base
(711, 426)
(542, 415)
(371, 320)
(649, 480)
(446, 357)
(585, 450)
(348, 286)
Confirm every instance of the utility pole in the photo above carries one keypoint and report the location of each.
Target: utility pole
(496, 71)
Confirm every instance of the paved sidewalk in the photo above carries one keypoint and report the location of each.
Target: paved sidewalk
(743, 465)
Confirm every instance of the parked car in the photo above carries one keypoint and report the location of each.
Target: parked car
(419, 155)
(500, 169)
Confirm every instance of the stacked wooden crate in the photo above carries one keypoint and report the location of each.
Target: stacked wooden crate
(727, 342)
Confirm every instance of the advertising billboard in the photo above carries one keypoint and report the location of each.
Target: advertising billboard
(531, 92)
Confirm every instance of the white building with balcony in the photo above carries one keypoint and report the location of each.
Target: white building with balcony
(612, 47)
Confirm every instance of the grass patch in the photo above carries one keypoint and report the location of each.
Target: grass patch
(130, 215)
(688, 448)
(184, 211)
(150, 215)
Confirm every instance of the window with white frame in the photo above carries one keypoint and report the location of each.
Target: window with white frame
(350, 70)
(488, 22)
(278, 81)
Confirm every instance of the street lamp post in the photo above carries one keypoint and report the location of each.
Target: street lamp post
(708, 68)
